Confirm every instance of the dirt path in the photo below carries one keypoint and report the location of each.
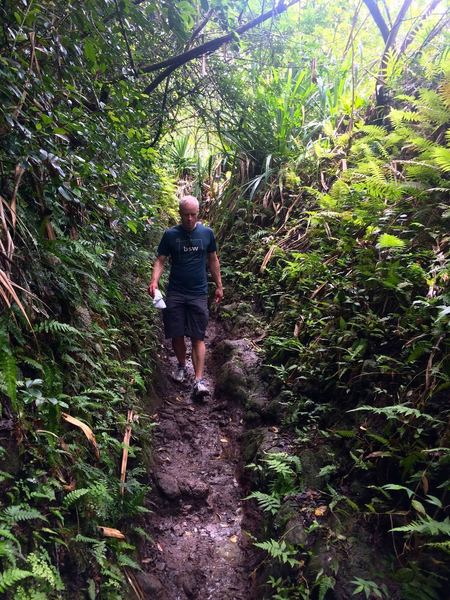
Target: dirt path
(200, 549)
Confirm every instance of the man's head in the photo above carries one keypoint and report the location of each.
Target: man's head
(189, 212)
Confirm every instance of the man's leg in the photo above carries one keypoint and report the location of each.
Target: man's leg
(198, 357)
(179, 347)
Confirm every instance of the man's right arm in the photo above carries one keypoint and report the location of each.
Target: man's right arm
(158, 268)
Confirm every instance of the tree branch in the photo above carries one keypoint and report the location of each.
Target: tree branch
(124, 34)
(409, 38)
(213, 45)
(378, 18)
(201, 26)
(393, 32)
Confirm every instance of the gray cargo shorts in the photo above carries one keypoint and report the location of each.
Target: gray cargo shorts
(185, 315)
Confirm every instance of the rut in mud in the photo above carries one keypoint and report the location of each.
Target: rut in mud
(201, 548)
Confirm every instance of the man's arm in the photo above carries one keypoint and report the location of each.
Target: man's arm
(158, 268)
(214, 267)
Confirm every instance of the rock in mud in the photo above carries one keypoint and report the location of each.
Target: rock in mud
(168, 485)
(232, 382)
(198, 489)
(171, 431)
(151, 586)
(190, 582)
(295, 532)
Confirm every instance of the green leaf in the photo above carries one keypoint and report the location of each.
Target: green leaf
(389, 241)
(418, 506)
(90, 51)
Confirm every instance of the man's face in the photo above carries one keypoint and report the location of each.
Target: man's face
(189, 215)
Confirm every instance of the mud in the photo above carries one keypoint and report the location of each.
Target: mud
(199, 525)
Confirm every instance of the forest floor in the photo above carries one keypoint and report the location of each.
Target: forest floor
(199, 524)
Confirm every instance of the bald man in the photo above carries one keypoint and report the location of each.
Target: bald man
(191, 247)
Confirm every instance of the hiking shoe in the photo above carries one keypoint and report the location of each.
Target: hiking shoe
(179, 374)
(200, 389)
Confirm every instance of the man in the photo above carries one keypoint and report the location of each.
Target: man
(191, 246)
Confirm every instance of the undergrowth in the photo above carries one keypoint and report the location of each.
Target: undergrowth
(354, 286)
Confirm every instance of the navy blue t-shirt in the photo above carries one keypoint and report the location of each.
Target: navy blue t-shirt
(188, 251)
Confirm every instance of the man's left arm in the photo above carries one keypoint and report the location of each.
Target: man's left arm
(214, 267)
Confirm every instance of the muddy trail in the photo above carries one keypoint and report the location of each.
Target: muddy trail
(199, 523)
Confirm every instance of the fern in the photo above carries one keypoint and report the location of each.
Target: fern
(426, 526)
(280, 551)
(8, 535)
(396, 412)
(7, 551)
(442, 157)
(267, 502)
(443, 546)
(324, 584)
(8, 372)
(143, 534)
(11, 576)
(41, 569)
(56, 327)
(20, 512)
(85, 539)
(125, 561)
(99, 553)
(73, 496)
(21, 594)
(283, 463)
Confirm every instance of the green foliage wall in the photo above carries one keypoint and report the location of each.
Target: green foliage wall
(350, 269)
(83, 198)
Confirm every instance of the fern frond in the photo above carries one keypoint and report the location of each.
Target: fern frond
(143, 534)
(8, 372)
(432, 107)
(73, 496)
(279, 550)
(283, 463)
(126, 561)
(442, 157)
(11, 576)
(426, 525)
(325, 584)
(396, 412)
(267, 502)
(57, 327)
(8, 535)
(444, 546)
(19, 513)
(21, 594)
(7, 552)
(399, 116)
(373, 132)
(41, 569)
(84, 539)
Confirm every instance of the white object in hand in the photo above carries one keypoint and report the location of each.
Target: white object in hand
(158, 300)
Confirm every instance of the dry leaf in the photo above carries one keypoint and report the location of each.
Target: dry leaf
(69, 487)
(126, 445)
(234, 539)
(110, 532)
(224, 440)
(85, 429)
(320, 511)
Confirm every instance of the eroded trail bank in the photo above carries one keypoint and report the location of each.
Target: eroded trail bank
(200, 546)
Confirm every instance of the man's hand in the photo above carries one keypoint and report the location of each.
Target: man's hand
(218, 295)
(157, 271)
(152, 286)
